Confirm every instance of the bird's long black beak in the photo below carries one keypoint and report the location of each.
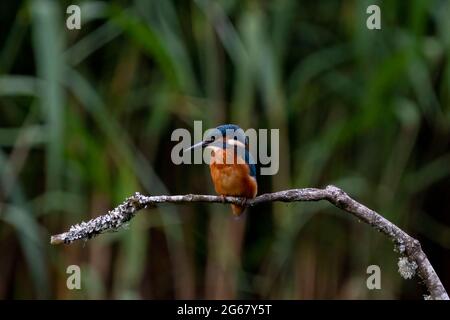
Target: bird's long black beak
(200, 144)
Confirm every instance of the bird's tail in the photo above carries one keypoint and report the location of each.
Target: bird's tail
(237, 210)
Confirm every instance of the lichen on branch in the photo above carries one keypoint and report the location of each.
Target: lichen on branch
(408, 247)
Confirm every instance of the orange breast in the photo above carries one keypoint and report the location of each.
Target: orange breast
(231, 179)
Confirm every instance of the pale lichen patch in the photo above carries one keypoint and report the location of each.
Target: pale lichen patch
(406, 268)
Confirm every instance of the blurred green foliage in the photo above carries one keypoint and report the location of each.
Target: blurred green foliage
(86, 117)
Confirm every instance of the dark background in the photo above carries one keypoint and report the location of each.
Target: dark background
(86, 118)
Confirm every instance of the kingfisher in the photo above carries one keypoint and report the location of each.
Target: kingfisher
(232, 168)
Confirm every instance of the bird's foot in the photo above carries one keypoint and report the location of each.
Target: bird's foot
(243, 202)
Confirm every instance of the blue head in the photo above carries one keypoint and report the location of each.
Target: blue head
(228, 136)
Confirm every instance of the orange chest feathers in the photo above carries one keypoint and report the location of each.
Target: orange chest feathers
(231, 178)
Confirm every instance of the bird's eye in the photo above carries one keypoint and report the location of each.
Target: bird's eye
(212, 138)
(235, 138)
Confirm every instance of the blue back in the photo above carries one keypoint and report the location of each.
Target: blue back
(252, 166)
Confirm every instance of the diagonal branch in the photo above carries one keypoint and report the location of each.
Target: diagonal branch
(412, 255)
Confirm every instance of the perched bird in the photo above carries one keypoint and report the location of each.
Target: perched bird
(232, 168)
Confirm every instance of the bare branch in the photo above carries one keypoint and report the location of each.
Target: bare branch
(407, 246)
